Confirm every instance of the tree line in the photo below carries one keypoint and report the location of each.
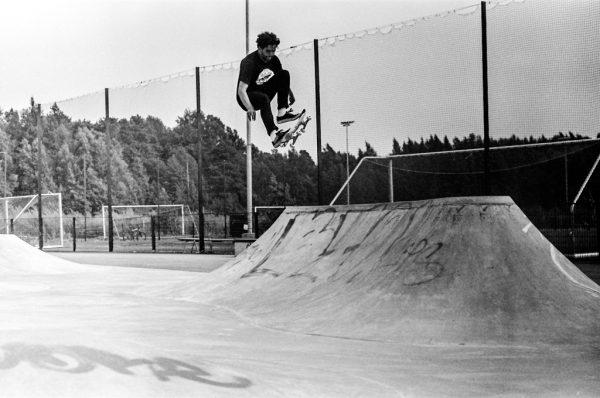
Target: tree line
(152, 163)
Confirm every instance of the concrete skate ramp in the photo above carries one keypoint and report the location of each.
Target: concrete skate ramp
(457, 270)
(17, 257)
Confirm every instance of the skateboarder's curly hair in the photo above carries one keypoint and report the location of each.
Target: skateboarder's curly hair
(267, 38)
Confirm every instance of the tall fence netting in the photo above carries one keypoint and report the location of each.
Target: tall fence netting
(409, 87)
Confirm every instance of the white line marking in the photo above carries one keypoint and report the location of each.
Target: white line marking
(526, 228)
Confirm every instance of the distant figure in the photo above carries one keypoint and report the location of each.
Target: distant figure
(261, 77)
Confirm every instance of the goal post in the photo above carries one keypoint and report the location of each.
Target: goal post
(385, 163)
(141, 213)
(21, 213)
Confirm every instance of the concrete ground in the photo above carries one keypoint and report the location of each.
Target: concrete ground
(98, 333)
(170, 261)
(443, 298)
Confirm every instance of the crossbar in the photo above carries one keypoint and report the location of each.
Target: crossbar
(497, 148)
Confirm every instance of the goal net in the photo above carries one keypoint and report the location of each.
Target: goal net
(134, 221)
(19, 215)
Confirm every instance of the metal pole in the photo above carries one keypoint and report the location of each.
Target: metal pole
(6, 216)
(249, 214)
(391, 176)
(199, 163)
(587, 179)
(182, 221)
(247, 26)
(566, 177)
(153, 233)
(318, 119)
(5, 195)
(85, 196)
(40, 174)
(249, 177)
(187, 177)
(597, 227)
(486, 121)
(60, 217)
(5, 182)
(346, 124)
(347, 168)
(158, 198)
(109, 171)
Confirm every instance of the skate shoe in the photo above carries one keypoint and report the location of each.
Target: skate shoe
(279, 137)
(288, 116)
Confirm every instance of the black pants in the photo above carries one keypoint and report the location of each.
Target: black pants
(261, 98)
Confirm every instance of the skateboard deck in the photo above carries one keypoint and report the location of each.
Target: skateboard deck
(296, 130)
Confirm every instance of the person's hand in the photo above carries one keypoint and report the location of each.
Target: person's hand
(292, 99)
(251, 115)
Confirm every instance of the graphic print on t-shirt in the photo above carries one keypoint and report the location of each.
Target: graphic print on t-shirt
(264, 76)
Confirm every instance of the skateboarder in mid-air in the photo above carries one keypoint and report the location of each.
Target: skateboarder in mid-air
(261, 78)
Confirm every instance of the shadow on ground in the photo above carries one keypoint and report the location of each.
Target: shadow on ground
(79, 359)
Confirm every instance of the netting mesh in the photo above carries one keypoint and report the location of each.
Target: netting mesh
(165, 98)
(543, 59)
(132, 222)
(218, 86)
(406, 80)
(401, 85)
(19, 215)
(544, 175)
(411, 79)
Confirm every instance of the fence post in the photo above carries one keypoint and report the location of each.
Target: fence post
(12, 226)
(153, 232)
(486, 118)
(108, 170)
(572, 230)
(597, 230)
(74, 235)
(39, 129)
(199, 158)
(391, 177)
(318, 120)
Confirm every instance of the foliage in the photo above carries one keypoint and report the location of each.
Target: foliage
(152, 163)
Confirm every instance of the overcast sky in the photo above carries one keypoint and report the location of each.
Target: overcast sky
(58, 49)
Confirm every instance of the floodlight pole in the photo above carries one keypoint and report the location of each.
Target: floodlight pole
(346, 124)
(250, 214)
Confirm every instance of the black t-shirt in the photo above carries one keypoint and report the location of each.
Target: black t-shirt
(254, 72)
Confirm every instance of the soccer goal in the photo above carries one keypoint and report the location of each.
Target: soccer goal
(550, 182)
(460, 172)
(133, 221)
(20, 216)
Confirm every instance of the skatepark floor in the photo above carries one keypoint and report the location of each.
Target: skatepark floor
(168, 261)
(89, 334)
(292, 317)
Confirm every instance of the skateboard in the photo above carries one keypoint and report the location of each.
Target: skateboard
(296, 130)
